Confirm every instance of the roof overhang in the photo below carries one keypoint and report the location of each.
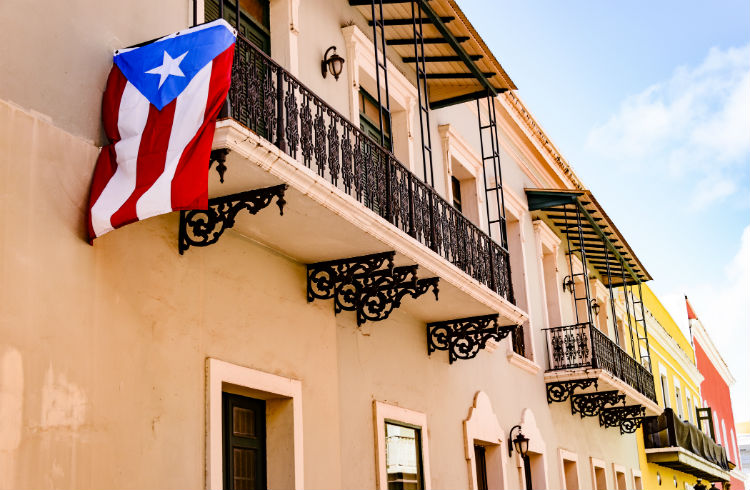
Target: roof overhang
(680, 459)
(458, 64)
(601, 238)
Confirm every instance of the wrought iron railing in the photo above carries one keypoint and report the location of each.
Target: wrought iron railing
(584, 346)
(274, 104)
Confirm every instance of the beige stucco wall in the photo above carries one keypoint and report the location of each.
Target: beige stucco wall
(103, 348)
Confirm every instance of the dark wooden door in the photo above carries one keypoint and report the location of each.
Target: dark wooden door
(244, 421)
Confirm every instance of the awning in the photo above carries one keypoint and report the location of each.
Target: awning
(601, 238)
(459, 65)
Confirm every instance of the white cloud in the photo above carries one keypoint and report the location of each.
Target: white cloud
(723, 308)
(694, 126)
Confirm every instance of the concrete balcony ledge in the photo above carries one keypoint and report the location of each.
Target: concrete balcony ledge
(322, 222)
(680, 459)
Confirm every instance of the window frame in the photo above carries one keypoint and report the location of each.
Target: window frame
(385, 412)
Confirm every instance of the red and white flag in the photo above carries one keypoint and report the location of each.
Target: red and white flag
(159, 113)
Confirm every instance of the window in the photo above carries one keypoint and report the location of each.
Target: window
(401, 441)
(480, 459)
(369, 119)
(637, 482)
(403, 460)
(244, 430)
(665, 391)
(690, 414)
(598, 474)
(620, 482)
(678, 402)
(254, 19)
(250, 414)
(569, 469)
(456, 186)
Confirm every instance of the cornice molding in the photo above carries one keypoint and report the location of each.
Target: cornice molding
(700, 334)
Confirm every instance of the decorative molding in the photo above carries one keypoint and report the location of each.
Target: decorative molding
(628, 418)
(537, 445)
(533, 128)
(255, 151)
(591, 404)
(482, 425)
(521, 362)
(220, 374)
(700, 334)
(565, 455)
(559, 391)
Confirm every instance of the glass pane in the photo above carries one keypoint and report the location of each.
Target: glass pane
(244, 469)
(402, 457)
(243, 422)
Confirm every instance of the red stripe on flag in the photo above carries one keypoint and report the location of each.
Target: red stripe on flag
(152, 153)
(190, 182)
(106, 164)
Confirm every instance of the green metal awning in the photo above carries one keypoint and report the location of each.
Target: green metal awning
(602, 241)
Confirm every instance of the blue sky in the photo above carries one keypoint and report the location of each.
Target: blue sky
(649, 102)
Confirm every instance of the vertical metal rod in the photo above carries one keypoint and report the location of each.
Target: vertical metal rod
(570, 265)
(424, 106)
(377, 22)
(584, 263)
(611, 293)
(498, 170)
(195, 12)
(237, 13)
(484, 170)
(627, 311)
(221, 9)
(645, 330)
(280, 141)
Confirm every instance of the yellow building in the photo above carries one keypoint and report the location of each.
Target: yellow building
(666, 459)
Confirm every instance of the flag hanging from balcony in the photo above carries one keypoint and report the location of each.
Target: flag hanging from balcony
(159, 113)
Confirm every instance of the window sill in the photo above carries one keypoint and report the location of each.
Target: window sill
(523, 363)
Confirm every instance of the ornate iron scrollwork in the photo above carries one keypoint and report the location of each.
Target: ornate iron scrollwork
(465, 337)
(340, 279)
(203, 227)
(590, 404)
(628, 418)
(220, 157)
(559, 391)
(368, 285)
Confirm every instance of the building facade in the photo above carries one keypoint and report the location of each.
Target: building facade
(399, 282)
(674, 453)
(715, 390)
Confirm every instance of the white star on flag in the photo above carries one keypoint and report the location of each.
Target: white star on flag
(169, 66)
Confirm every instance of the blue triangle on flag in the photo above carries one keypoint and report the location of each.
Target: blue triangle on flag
(162, 69)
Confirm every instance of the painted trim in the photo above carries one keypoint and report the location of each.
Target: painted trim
(663, 340)
(618, 468)
(482, 425)
(521, 362)
(257, 151)
(544, 237)
(598, 463)
(221, 373)
(565, 455)
(636, 474)
(382, 411)
(536, 445)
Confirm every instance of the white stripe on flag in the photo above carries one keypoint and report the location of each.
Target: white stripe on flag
(188, 118)
(131, 120)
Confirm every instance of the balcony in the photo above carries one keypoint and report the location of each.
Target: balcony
(346, 195)
(681, 446)
(610, 383)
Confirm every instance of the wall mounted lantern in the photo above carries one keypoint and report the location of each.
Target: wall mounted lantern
(567, 283)
(520, 443)
(699, 486)
(595, 307)
(333, 63)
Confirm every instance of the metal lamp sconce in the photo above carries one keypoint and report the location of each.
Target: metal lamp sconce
(567, 284)
(520, 443)
(699, 486)
(658, 479)
(333, 63)
(595, 307)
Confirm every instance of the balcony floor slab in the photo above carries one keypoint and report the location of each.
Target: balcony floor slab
(321, 222)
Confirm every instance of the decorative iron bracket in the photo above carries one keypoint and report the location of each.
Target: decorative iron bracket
(628, 418)
(590, 404)
(465, 337)
(368, 285)
(220, 157)
(559, 391)
(203, 227)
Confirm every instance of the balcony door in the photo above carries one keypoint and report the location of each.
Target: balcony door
(254, 19)
(244, 427)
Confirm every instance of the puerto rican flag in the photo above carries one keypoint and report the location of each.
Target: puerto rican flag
(159, 113)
